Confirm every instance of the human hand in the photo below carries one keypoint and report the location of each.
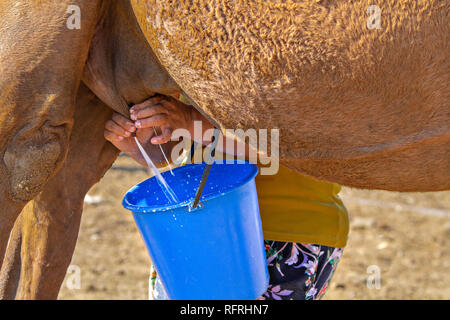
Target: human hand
(162, 111)
(119, 131)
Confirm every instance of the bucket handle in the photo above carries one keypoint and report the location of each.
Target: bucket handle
(207, 169)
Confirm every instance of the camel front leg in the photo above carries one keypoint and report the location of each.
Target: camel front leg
(48, 228)
(41, 63)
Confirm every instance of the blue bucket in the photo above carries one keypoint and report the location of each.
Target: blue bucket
(215, 251)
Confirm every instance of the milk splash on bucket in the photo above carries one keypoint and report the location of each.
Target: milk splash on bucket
(170, 194)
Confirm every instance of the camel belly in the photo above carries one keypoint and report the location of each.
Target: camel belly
(369, 103)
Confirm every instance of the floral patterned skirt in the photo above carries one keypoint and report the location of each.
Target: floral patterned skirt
(297, 271)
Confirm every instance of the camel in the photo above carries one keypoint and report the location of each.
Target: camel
(363, 107)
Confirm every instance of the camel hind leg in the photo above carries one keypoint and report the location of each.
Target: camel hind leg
(48, 228)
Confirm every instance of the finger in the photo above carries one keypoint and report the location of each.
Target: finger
(126, 124)
(163, 137)
(149, 112)
(150, 101)
(116, 129)
(112, 137)
(144, 135)
(159, 120)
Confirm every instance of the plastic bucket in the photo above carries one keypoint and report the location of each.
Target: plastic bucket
(215, 251)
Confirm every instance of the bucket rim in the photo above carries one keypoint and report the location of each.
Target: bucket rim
(159, 209)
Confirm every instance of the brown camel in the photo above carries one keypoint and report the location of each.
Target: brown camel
(359, 106)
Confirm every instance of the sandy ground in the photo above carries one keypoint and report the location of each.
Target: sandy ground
(405, 238)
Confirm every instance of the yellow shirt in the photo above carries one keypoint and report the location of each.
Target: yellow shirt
(297, 208)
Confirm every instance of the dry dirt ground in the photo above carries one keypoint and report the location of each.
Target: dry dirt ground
(405, 238)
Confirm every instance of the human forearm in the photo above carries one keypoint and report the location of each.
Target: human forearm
(201, 131)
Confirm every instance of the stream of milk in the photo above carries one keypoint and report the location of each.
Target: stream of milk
(169, 193)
